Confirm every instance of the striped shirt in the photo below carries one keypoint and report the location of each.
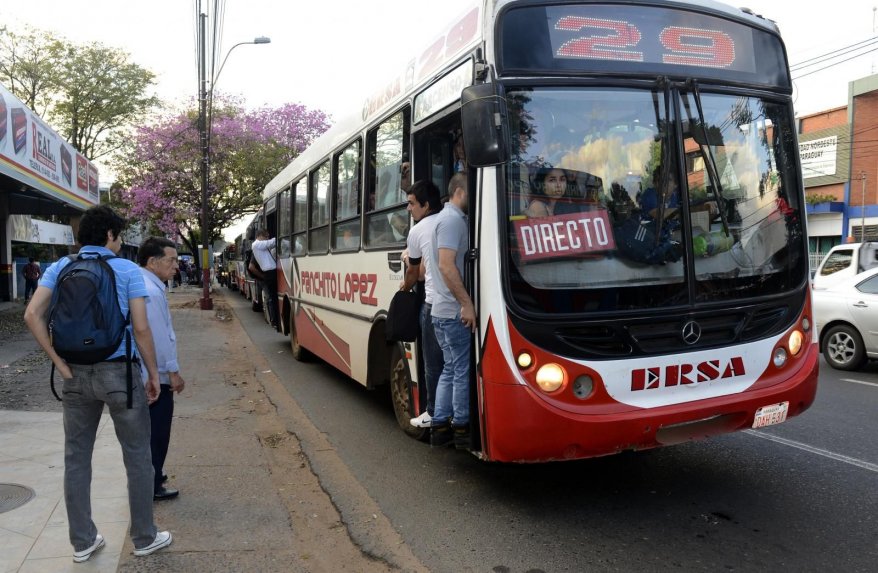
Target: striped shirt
(129, 285)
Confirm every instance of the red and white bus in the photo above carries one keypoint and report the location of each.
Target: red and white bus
(664, 298)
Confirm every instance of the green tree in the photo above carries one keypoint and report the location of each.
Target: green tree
(29, 66)
(102, 94)
(161, 176)
(91, 94)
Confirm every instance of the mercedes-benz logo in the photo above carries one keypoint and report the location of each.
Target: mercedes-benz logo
(691, 332)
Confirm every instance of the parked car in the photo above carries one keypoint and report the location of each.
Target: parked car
(846, 317)
(845, 261)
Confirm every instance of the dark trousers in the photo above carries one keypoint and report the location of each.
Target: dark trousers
(270, 283)
(30, 285)
(160, 414)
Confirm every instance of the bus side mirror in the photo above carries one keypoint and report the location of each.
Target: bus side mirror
(484, 121)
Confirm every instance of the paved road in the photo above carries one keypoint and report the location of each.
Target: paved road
(800, 496)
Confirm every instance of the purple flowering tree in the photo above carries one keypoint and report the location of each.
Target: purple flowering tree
(160, 173)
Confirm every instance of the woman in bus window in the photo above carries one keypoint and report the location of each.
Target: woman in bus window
(549, 186)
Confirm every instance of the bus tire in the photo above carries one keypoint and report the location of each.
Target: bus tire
(297, 350)
(843, 348)
(401, 393)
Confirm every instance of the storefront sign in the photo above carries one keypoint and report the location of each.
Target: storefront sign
(33, 153)
(28, 230)
(818, 156)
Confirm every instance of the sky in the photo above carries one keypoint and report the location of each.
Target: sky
(332, 54)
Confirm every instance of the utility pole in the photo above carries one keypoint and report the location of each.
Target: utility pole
(206, 302)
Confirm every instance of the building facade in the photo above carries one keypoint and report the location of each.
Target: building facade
(838, 149)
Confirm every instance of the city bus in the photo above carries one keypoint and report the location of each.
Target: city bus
(664, 296)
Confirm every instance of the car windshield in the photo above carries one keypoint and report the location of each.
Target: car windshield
(622, 199)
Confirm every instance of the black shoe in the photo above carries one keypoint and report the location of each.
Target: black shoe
(461, 437)
(441, 436)
(165, 493)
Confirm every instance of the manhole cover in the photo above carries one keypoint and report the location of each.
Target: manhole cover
(13, 495)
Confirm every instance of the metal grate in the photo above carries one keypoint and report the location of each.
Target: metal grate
(13, 495)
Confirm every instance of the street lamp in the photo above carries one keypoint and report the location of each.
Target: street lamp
(257, 40)
(205, 109)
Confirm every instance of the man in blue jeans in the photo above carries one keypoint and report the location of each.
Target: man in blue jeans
(88, 387)
(424, 205)
(454, 319)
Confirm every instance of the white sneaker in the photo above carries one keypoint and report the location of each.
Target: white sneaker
(422, 421)
(80, 556)
(162, 539)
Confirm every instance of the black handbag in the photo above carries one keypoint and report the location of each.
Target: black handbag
(403, 317)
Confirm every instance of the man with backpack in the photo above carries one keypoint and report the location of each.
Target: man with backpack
(95, 362)
(31, 274)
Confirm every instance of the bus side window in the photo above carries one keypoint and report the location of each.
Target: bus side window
(388, 179)
(318, 239)
(300, 215)
(346, 227)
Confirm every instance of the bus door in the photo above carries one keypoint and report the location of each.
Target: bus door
(439, 154)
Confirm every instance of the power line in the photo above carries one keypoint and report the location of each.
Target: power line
(829, 55)
(835, 64)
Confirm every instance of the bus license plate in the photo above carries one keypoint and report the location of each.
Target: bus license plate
(770, 415)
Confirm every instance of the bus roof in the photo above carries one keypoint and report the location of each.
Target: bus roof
(425, 68)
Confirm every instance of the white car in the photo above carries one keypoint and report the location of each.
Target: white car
(846, 315)
(845, 261)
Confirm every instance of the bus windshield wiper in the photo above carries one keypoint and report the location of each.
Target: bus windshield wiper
(664, 84)
(706, 151)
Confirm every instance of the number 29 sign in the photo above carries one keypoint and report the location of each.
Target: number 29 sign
(619, 34)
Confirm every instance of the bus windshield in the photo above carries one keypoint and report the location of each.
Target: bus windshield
(622, 199)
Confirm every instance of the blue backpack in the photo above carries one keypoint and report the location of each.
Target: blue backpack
(86, 324)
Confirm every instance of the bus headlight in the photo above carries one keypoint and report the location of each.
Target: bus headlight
(780, 357)
(550, 377)
(524, 360)
(795, 342)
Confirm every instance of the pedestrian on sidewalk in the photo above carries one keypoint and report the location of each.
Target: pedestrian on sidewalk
(157, 258)
(32, 274)
(88, 387)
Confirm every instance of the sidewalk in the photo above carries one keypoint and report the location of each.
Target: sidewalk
(33, 537)
(249, 500)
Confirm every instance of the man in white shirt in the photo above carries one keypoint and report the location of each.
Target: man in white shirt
(263, 249)
(423, 204)
(157, 258)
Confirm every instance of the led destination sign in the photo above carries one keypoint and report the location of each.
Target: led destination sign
(623, 38)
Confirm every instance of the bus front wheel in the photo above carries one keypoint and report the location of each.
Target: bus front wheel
(401, 393)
